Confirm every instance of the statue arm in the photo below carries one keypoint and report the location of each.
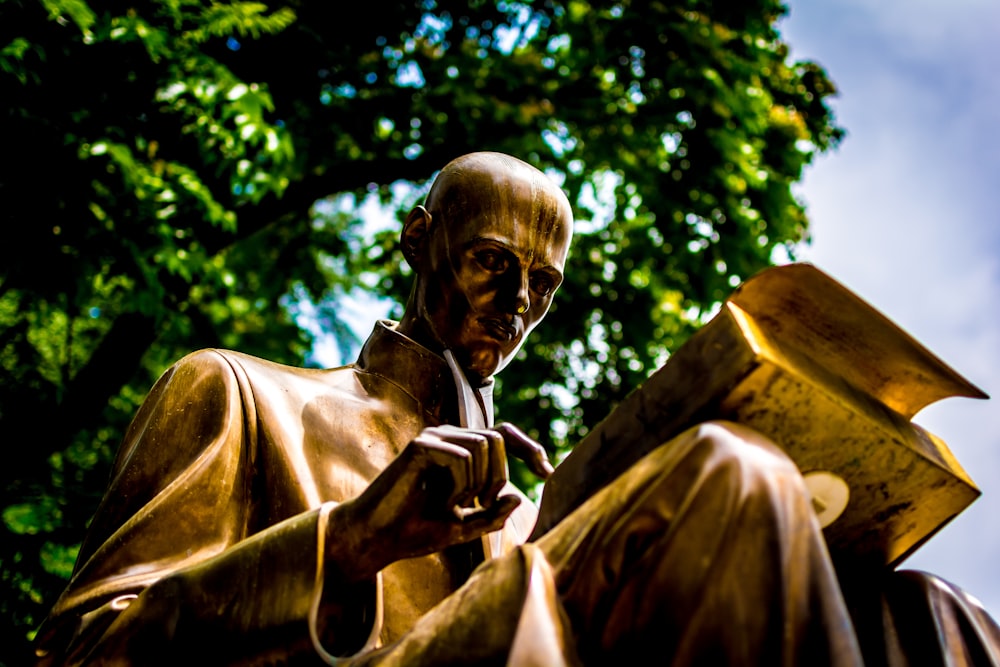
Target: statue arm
(174, 563)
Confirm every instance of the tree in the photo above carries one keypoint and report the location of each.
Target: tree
(183, 174)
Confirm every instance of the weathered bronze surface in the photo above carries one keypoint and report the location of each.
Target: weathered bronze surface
(262, 514)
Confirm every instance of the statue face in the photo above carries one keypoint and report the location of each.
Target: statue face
(491, 267)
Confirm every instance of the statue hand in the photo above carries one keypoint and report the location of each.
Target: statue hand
(519, 445)
(442, 489)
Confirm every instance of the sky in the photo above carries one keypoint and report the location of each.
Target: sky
(906, 214)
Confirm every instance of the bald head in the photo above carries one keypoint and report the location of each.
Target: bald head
(488, 249)
(498, 185)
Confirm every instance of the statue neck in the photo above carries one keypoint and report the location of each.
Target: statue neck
(421, 373)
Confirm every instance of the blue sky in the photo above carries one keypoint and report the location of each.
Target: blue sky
(906, 213)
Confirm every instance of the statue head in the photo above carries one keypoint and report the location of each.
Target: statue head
(488, 249)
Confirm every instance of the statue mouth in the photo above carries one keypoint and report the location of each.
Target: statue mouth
(498, 328)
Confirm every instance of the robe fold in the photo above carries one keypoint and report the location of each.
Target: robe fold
(209, 546)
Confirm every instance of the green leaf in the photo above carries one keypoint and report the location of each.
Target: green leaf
(78, 11)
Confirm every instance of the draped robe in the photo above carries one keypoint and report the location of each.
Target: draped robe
(209, 545)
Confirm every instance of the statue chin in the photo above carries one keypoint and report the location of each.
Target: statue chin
(480, 363)
(488, 361)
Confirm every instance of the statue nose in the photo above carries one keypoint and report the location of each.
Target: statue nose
(522, 297)
(513, 295)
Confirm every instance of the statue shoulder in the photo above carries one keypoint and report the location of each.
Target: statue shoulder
(265, 382)
(222, 360)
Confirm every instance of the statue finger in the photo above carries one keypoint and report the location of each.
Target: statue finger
(480, 522)
(495, 467)
(449, 476)
(526, 449)
(498, 474)
(478, 445)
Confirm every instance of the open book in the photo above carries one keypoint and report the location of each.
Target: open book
(797, 356)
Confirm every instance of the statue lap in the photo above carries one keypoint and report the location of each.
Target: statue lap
(706, 551)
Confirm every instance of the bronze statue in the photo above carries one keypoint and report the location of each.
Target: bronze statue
(261, 514)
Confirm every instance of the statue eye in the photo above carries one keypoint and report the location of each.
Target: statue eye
(542, 284)
(492, 260)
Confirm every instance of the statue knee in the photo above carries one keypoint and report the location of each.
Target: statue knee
(741, 445)
(923, 590)
(913, 617)
(724, 465)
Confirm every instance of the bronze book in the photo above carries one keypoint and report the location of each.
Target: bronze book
(800, 358)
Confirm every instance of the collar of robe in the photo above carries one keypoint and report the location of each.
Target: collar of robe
(439, 388)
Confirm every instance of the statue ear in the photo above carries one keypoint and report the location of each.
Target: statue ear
(415, 235)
